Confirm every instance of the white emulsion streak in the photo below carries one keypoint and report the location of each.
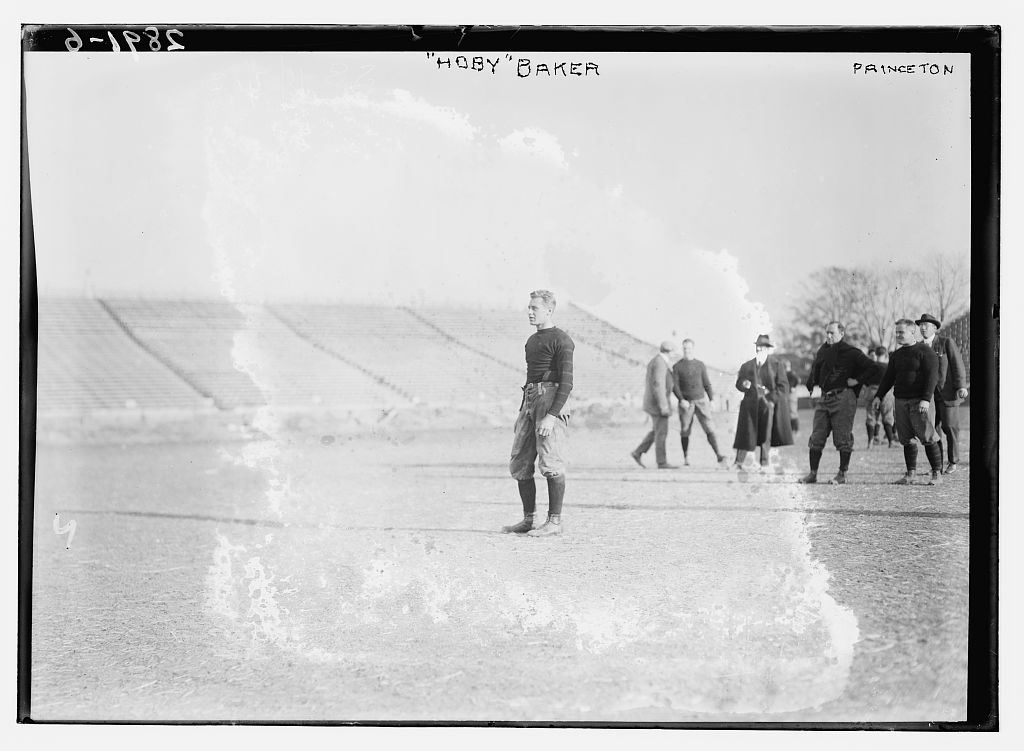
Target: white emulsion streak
(251, 351)
(68, 529)
(810, 671)
(247, 601)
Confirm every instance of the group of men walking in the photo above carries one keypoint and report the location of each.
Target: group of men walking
(912, 394)
(927, 380)
(764, 415)
(914, 397)
(688, 381)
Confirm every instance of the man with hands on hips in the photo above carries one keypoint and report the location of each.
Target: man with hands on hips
(912, 374)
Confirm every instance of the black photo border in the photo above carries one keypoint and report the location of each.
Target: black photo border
(982, 43)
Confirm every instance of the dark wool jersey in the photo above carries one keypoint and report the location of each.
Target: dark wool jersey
(549, 358)
(912, 373)
(875, 377)
(691, 380)
(834, 363)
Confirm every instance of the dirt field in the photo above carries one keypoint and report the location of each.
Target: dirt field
(322, 577)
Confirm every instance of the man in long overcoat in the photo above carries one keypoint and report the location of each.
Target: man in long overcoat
(764, 411)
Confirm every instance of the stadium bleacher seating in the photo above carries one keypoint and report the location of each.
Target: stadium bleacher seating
(595, 332)
(119, 353)
(87, 362)
(421, 361)
(245, 357)
(633, 352)
(603, 365)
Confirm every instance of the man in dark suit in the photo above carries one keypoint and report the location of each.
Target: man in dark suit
(657, 390)
(952, 388)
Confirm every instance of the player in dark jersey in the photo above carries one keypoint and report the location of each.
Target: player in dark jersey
(693, 389)
(912, 373)
(542, 425)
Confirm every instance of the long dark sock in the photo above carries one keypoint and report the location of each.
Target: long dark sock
(910, 456)
(685, 440)
(888, 432)
(934, 454)
(528, 492)
(875, 435)
(713, 440)
(556, 492)
(871, 434)
(844, 460)
(815, 459)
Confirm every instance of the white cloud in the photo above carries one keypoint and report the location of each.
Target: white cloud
(660, 290)
(537, 143)
(445, 119)
(750, 317)
(403, 104)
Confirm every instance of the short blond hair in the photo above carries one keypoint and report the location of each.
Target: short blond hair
(546, 295)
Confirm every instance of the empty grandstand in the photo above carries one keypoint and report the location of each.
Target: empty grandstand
(195, 338)
(395, 345)
(149, 354)
(88, 363)
(245, 357)
(606, 359)
(594, 332)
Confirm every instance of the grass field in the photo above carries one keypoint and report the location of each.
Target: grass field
(313, 577)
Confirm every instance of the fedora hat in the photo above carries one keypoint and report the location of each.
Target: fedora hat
(763, 340)
(929, 318)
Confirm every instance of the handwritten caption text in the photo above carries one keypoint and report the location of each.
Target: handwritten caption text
(74, 42)
(524, 67)
(928, 69)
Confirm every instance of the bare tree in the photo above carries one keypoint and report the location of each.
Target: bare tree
(831, 294)
(867, 300)
(945, 283)
(888, 295)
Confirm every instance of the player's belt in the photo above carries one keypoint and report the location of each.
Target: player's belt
(532, 388)
(548, 376)
(535, 384)
(834, 392)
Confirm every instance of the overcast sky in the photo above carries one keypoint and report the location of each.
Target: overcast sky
(683, 193)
